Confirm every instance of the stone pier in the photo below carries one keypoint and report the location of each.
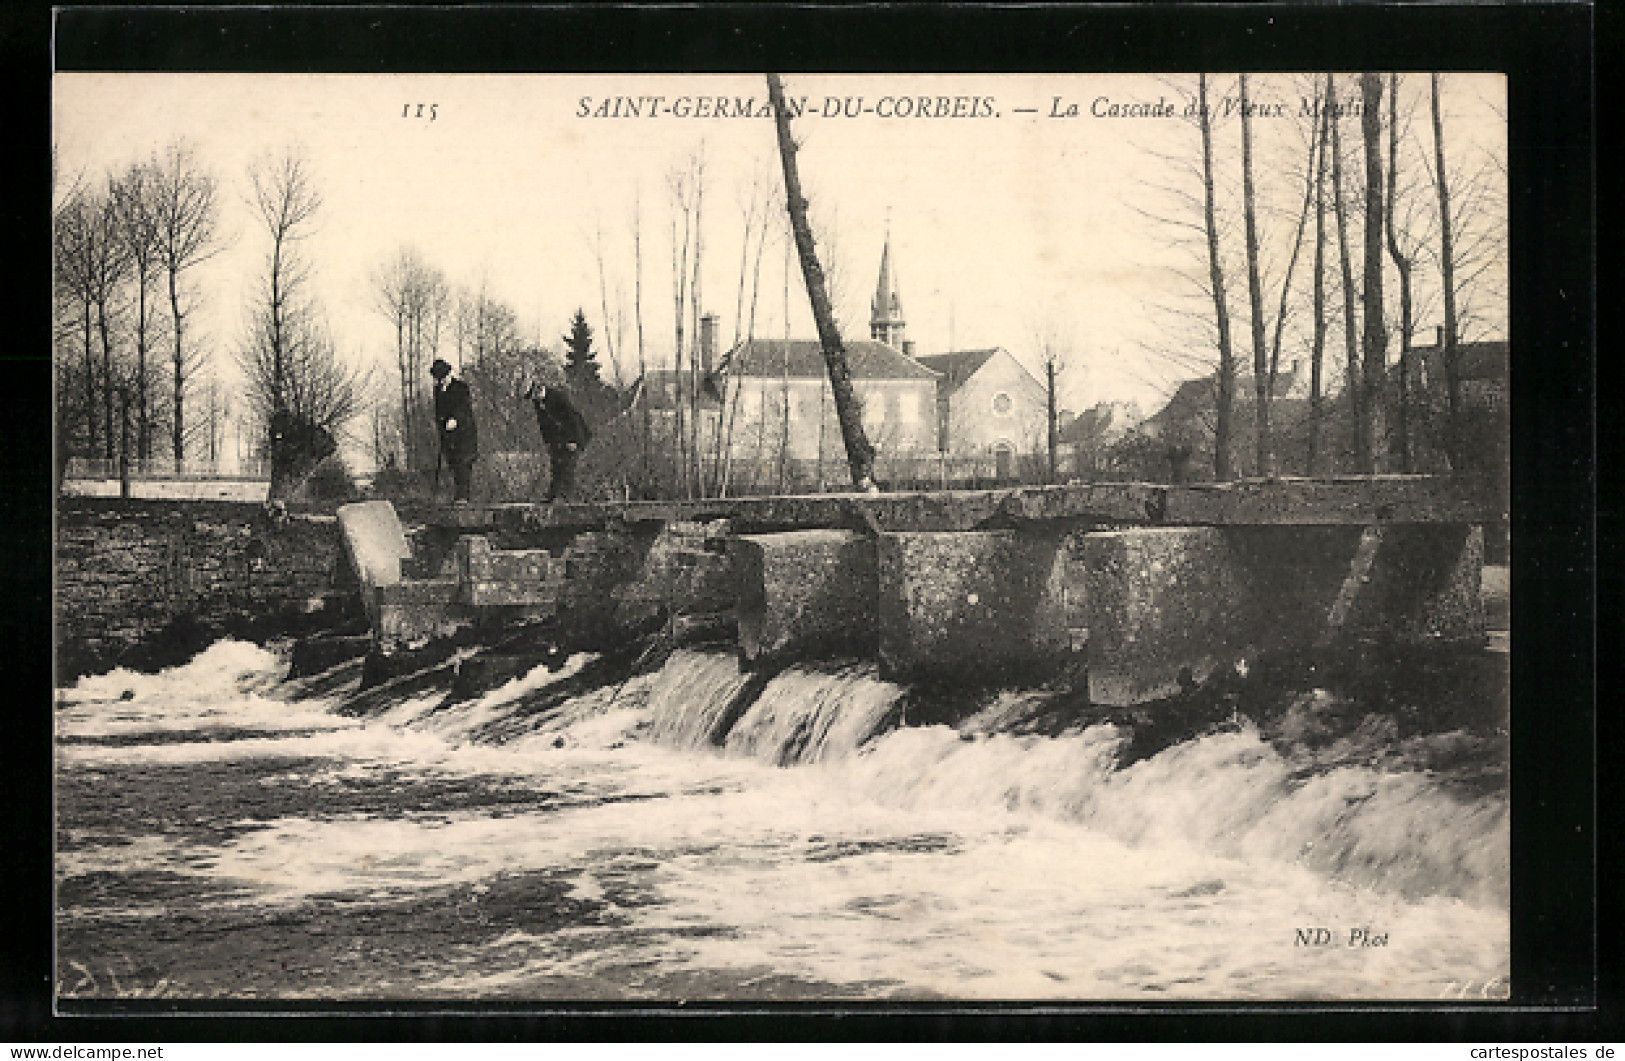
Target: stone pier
(1138, 590)
(806, 593)
(958, 602)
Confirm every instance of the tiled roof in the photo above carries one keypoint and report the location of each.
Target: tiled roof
(804, 359)
(957, 367)
(1481, 360)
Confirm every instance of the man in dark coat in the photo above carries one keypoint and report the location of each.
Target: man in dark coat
(564, 432)
(454, 416)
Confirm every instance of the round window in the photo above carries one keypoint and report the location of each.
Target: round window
(1002, 404)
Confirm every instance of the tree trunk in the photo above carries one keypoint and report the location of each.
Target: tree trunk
(1255, 298)
(1222, 467)
(90, 382)
(1351, 384)
(1292, 261)
(1054, 428)
(143, 419)
(1318, 351)
(178, 426)
(107, 375)
(1403, 265)
(1447, 263)
(1375, 371)
(860, 455)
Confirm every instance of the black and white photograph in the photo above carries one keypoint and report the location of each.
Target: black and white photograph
(797, 537)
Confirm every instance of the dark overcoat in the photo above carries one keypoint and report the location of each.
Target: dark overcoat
(560, 421)
(460, 444)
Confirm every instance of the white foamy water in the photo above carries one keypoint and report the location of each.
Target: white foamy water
(604, 847)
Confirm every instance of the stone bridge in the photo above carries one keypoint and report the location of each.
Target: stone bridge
(1136, 589)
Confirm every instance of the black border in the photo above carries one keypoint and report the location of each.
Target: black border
(1547, 49)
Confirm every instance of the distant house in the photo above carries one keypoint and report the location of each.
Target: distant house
(1193, 407)
(989, 404)
(778, 393)
(1484, 367)
(1184, 427)
(1083, 438)
(771, 401)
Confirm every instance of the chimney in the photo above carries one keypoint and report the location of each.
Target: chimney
(908, 347)
(708, 342)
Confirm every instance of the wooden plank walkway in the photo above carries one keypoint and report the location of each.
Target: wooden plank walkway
(1355, 500)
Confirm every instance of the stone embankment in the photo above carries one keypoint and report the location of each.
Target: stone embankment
(145, 583)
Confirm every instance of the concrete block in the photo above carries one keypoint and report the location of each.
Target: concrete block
(1420, 587)
(312, 655)
(415, 611)
(374, 541)
(478, 675)
(1427, 584)
(1165, 607)
(507, 577)
(972, 604)
(806, 593)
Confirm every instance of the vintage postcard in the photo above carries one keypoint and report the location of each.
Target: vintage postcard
(823, 538)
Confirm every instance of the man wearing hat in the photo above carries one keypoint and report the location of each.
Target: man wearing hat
(454, 416)
(564, 432)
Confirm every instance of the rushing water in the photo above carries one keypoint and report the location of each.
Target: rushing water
(699, 833)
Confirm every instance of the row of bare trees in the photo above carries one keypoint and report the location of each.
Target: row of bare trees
(126, 251)
(1388, 204)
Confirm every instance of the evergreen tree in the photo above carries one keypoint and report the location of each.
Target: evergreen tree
(580, 360)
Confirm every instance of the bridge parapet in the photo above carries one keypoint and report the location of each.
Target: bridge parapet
(1142, 589)
(1344, 501)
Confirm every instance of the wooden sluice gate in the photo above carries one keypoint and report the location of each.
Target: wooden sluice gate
(1137, 590)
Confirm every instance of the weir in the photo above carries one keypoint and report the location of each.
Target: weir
(1130, 591)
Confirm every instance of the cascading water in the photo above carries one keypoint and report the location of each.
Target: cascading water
(704, 831)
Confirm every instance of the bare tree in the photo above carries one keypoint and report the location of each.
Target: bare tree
(299, 387)
(285, 202)
(1222, 466)
(637, 313)
(1374, 370)
(686, 185)
(72, 243)
(860, 454)
(1351, 381)
(1318, 347)
(1404, 260)
(137, 230)
(186, 218)
(107, 267)
(1255, 297)
(1447, 266)
(413, 297)
(1054, 341)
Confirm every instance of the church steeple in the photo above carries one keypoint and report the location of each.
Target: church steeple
(886, 309)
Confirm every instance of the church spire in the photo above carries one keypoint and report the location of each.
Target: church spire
(886, 309)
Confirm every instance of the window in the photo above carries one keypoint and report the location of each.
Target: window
(908, 408)
(1002, 404)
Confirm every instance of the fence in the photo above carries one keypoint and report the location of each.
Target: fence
(159, 468)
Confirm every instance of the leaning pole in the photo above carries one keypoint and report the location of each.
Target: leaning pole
(860, 455)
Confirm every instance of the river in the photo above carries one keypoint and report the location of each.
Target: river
(692, 834)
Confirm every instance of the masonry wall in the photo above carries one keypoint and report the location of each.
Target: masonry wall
(976, 428)
(136, 580)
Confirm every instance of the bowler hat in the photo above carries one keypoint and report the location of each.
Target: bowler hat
(440, 369)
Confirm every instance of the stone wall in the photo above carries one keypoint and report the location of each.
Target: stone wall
(137, 582)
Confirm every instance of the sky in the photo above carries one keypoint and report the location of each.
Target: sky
(1009, 220)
